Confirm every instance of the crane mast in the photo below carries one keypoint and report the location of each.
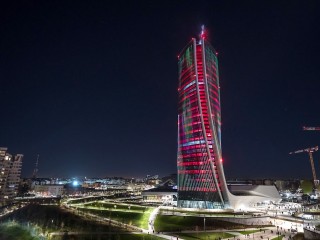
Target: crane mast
(310, 151)
(311, 128)
(35, 170)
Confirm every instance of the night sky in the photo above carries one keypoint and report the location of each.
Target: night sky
(91, 86)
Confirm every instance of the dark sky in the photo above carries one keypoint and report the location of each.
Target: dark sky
(91, 86)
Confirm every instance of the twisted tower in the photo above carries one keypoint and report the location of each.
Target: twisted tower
(201, 181)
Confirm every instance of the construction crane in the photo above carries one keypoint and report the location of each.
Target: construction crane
(35, 170)
(311, 128)
(310, 151)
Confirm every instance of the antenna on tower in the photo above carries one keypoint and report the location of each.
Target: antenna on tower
(35, 170)
(203, 34)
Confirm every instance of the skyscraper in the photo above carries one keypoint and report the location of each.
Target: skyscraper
(10, 171)
(201, 180)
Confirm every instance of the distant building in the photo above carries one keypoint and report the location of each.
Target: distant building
(291, 185)
(49, 190)
(171, 178)
(39, 181)
(152, 180)
(160, 195)
(10, 172)
(164, 194)
(71, 189)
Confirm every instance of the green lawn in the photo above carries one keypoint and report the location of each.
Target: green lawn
(13, 231)
(138, 237)
(165, 223)
(248, 232)
(138, 219)
(52, 218)
(116, 206)
(125, 213)
(277, 238)
(203, 235)
(112, 237)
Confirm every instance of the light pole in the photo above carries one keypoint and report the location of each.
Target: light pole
(204, 223)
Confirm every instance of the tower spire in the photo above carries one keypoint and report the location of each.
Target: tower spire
(202, 30)
(203, 34)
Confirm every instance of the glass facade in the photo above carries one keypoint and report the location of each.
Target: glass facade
(201, 181)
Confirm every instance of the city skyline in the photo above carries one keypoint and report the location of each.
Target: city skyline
(92, 87)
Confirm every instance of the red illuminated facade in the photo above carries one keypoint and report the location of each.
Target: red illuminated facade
(201, 181)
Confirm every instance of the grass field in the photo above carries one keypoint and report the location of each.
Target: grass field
(248, 232)
(204, 236)
(116, 206)
(277, 238)
(169, 223)
(125, 213)
(53, 218)
(14, 231)
(111, 237)
(138, 219)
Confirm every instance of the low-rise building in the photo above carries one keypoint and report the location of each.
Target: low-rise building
(49, 190)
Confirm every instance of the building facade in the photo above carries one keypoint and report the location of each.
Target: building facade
(201, 180)
(49, 190)
(10, 172)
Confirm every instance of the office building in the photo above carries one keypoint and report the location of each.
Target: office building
(10, 171)
(201, 180)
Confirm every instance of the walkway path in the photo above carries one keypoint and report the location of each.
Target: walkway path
(152, 218)
(267, 233)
